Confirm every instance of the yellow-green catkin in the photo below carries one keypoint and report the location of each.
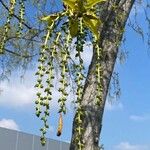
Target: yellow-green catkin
(7, 25)
(99, 73)
(79, 82)
(43, 100)
(49, 85)
(40, 73)
(21, 18)
(64, 74)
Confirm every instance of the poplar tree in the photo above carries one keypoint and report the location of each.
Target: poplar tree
(54, 36)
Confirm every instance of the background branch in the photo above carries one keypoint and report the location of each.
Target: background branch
(15, 15)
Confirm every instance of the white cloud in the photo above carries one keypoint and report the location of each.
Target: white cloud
(9, 124)
(113, 106)
(140, 118)
(128, 146)
(16, 95)
(19, 95)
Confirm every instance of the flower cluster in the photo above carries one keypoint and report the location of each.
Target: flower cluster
(12, 7)
(21, 17)
(79, 81)
(78, 19)
(44, 94)
(99, 74)
(65, 55)
(7, 25)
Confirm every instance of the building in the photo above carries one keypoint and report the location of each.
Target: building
(16, 140)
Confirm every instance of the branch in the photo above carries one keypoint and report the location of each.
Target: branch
(27, 39)
(15, 15)
(23, 56)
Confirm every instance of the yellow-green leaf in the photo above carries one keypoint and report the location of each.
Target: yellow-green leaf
(73, 27)
(80, 6)
(70, 3)
(91, 3)
(93, 23)
(91, 15)
(13, 1)
(49, 19)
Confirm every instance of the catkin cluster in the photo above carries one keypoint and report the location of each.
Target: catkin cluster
(7, 27)
(75, 23)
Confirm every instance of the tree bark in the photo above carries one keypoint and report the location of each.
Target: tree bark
(114, 15)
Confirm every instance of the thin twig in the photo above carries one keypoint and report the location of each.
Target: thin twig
(24, 56)
(15, 15)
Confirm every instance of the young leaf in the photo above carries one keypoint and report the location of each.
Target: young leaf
(70, 3)
(92, 23)
(49, 19)
(73, 27)
(91, 3)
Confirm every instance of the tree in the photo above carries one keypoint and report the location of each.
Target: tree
(113, 15)
(111, 35)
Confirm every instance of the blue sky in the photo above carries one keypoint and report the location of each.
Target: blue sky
(126, 122)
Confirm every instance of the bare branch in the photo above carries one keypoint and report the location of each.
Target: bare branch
(15, 15)
(23, 56)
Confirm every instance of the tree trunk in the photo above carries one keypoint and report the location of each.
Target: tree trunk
(114, 15)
